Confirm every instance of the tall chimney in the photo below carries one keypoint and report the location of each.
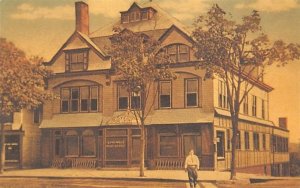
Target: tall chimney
(82, 17)
(282, 122)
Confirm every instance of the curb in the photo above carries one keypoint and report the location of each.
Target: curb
(262, 180)
(111, 178)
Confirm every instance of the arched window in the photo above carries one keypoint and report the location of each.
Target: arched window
(179, 52)
(72, 143)
(88, 143)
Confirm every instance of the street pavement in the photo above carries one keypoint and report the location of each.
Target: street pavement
(169, 175)
(171, 178)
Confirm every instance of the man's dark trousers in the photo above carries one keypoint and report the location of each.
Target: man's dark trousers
(193, 175)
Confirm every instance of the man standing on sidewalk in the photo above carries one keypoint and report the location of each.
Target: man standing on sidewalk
(191, 165)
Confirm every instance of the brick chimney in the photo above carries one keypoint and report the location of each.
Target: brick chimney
(282, 122)
(82, 17)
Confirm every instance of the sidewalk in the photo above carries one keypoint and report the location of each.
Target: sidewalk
(150, 175)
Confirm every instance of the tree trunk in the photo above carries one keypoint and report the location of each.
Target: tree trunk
(234, 121)
(142, 154)
(2, 149)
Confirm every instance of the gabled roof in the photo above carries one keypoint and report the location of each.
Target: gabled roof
(137, 6)
(175, 28)
(87, 43)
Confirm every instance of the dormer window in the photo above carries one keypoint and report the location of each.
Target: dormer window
(125, 18)
(135, 16)
(144, 15)
(76, 60)
(136, 13)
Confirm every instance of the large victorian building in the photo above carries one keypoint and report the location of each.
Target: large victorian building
(89, 126)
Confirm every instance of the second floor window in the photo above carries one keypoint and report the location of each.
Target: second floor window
(179, 52)
(128, 99)
(165, 94)
(263, 110)
(245, 105)
(37, 114)
(191, 92)
(79, 99)
(254, 105)
(76, 61)
(222, 95)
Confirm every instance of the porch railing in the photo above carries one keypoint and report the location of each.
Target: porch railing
(168, 163)
(74, 163)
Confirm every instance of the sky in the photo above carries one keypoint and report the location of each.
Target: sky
(40, 27)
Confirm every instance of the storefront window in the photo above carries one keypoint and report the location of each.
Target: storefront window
(72, 140)
(88, 143)
(168, 146)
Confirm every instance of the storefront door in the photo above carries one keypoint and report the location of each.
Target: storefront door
(12, 148)
(192, 142)
(116, 145)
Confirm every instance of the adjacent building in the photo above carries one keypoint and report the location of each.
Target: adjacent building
(22, 138)
(90, 126)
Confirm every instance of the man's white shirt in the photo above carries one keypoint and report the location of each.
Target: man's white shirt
(191, 160)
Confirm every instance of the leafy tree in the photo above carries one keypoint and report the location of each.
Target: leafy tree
(237, 53)
(137, 60)
(21, 85)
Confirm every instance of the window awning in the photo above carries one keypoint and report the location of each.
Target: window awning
(159, 117)
(180, 116)
(73, 120)
(244, 117)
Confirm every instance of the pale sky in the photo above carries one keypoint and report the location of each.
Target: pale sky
(40, 27)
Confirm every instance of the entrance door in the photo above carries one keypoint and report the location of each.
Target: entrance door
(116, 147)
(192, 142)
(12, 148)
(135, 146)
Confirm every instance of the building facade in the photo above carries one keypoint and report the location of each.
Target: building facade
(90, 125)
(22, 138)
